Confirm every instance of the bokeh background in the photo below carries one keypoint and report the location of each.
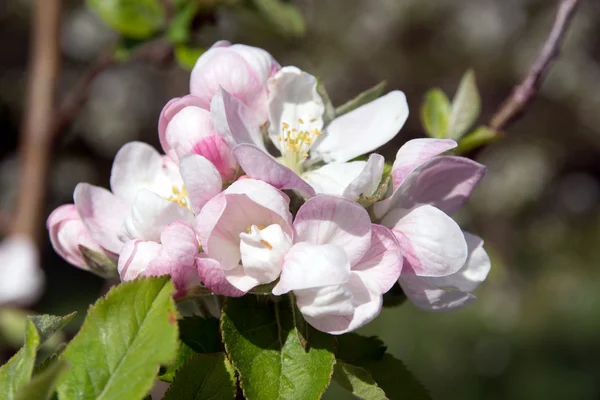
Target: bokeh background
(534, 332)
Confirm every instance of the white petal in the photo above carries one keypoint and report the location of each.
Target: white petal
(150, 214)
(262, 252)
(309, 266)
(264, 195)
(334, 178)
(429, 297)
(21, 279)
(293, 100)
(325, 301)
(186, 129)
(363, 129)
(414, 153)
(202, 180)
(367, 182)
(432, 243)
(136, 257)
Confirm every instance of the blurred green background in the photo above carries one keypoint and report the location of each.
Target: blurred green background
(534, 331)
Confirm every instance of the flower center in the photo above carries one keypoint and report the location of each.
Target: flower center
(295, 140)
(179, 196)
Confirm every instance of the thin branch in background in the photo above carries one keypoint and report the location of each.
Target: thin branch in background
(34, 151)
(524, 94)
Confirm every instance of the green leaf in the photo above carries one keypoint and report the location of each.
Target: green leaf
(97, 262)
(133, 18)
(48, 325)
(186, 56)
(285, 17)
(42, 386)
(179, 28)
(201, 334)
(479, 137)
(365, 97)
(466, 106)
(357, 381)
(329, 114)
(204, 376)
(167, 374)
(435, 113)
(263, 346)
(17, 371)
(41, 365)
(123, 340)
(398, 382)
(355, 349)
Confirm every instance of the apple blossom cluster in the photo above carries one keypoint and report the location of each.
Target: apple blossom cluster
(258, 186)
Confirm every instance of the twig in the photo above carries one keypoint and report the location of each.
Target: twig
(524, 94)
(36, 129)
(156, 52)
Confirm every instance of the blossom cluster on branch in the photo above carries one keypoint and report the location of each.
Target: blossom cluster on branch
(263, 186)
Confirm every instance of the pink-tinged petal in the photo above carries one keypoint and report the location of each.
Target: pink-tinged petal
(259, 165)
(170, 110)
(334, 220)
(474, 271)
(264, 195)
(366, 301)
(309, 266)
(208, 217)
(136, 166)
(261, 62)
(444, 182)
(202, 180)
(429, 297)
(414, 153)
(364, 129)
(151, 213)
(367, 182)
(102, 213)
(235, 122)
(187, 127)
(67, 233)
(21, 279)
(213, 277)
(382, 263)
(432, 243)
(334, 178)
(293, 103)
(216, 150)
(239, 279)
(220, 43)
(135, 258)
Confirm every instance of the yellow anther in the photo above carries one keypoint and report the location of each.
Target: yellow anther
(300, 121)
(267, 244)
(179, 196)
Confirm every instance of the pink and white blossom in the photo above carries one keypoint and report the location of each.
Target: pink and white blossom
(340, 264)
(428, 188)
(21, 278)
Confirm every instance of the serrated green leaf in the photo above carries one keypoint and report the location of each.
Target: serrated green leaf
(435, 113)
(329, 114)
(264, 347)
(48, 325)
(395, 379)
(17, 371)
(357, 381)
(137, 19)
(355, 349)
(41, 365)
(479, 137)
(123, 340)
(186, 56)
(167, 373)
(204, 376)
(285, 17)
(97, 262)
(42, 386)
(466, 106)
(365, 97)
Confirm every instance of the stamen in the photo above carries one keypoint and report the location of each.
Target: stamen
(267, 244)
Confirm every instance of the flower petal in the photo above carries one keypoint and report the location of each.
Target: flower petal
(136, 257)
(213, 277)
(334, 220)
(21, 279)
(432, 243)
(382, 263)
(171, 109)
(150, 213)
(186, 128)
(202, 180)
(264, 195)
(334, 178)
(259, 165)
(102, 213)
(364, 129)
(67, 233)
(414, 153)
(444, 182)
(367, 182)
(429, 297)
(309, 266)
(366, 301)
(235, 122)
(293, 98)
